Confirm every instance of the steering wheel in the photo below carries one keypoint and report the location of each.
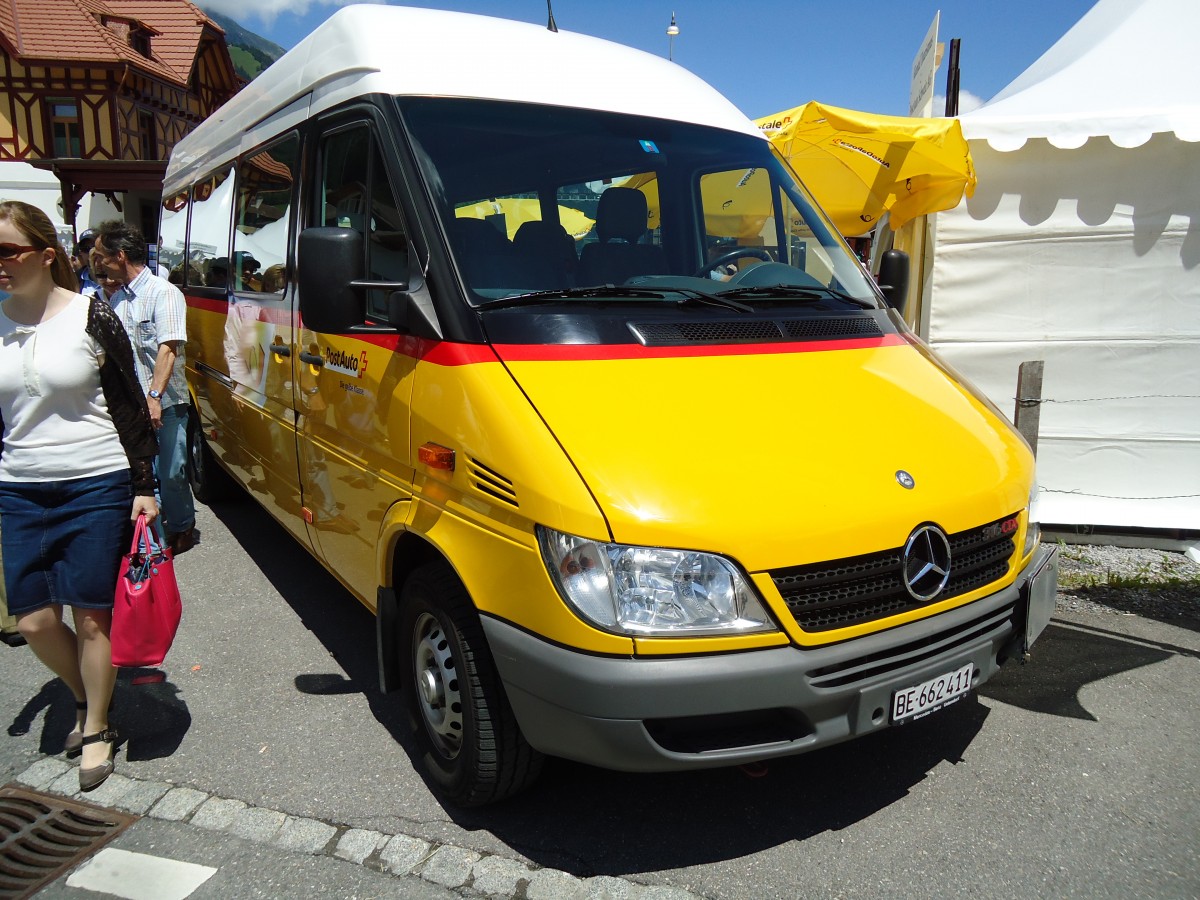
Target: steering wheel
(739, 253)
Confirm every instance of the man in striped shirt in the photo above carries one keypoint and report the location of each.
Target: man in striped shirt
(154, 314)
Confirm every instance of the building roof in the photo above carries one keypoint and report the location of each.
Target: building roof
(97, 31)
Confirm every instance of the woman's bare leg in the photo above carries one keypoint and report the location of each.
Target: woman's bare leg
(98, 675)
(54, 644)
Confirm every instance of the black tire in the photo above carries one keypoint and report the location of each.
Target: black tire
(470, 744)
(208, 480)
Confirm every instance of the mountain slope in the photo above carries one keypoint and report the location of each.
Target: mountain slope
(251, 53)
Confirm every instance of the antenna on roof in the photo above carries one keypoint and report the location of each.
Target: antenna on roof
(550, 25)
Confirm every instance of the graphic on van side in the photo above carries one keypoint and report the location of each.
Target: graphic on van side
(346, 363)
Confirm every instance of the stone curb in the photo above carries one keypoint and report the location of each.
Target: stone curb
(468, 872)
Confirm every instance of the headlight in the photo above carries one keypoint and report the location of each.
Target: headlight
(1033, 528)
(651, 591)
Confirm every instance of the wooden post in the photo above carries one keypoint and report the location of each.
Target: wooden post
(1028, 413)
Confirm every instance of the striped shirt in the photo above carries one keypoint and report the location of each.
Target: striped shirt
(153, 312)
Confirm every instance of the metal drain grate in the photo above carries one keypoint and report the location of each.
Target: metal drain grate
(42, 835)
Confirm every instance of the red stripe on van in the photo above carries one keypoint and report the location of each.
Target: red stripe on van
(207, 303)
(565, 352)
(448, 353)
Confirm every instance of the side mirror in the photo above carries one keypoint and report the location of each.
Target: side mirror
(329, 260)
(893, 278)
(412, 313)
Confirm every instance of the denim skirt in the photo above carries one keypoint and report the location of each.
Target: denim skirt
(63, 540)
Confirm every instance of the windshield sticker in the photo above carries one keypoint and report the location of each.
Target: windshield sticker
(649, 146)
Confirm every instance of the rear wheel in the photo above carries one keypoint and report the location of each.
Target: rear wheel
(208, 480)
(471, 746)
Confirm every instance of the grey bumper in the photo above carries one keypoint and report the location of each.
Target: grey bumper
(654, 714)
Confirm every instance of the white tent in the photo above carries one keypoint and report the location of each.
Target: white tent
(1081, 247)
(21, 181)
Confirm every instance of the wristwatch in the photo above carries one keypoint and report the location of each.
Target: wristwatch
(156, 395)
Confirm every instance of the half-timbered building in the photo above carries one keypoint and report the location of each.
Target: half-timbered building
(99, 91)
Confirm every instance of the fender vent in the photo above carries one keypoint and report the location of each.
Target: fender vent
(41, 836)
(490, 482)
(667, 334)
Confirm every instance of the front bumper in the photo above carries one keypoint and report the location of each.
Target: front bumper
(663, 714)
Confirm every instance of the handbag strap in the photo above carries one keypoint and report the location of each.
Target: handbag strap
(152, 536)
(139, 535)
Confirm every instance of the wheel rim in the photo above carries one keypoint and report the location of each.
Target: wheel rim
(436, 686)
(195, 453)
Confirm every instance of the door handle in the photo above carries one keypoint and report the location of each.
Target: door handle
(312, 359)
(280, 350)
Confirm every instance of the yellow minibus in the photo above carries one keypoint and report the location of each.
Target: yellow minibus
(534, 342)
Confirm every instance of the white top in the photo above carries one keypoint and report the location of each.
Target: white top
(1128, 69)
(56, 421)
(397, 50)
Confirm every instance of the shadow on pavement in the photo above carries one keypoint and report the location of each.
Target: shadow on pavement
(589, 821)
(149, 713)
(56, 700)
(343, 625)
(1064, 661)
(615, 823)
(146, 710)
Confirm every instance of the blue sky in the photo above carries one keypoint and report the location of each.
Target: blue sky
(770, 55)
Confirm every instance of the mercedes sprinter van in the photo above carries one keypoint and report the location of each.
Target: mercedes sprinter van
(534, 342)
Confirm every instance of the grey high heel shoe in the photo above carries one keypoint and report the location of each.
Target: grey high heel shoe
(73, 745)
(90, 779)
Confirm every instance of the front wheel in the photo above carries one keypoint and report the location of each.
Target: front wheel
(208, 480)
(471, 746)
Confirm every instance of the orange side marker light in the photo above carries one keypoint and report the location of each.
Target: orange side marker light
(436, 456)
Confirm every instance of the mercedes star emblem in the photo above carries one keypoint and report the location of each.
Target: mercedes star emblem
(926, 562)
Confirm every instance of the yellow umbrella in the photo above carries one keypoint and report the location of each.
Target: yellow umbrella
(519, 210)
(860, 165)
(737, 203)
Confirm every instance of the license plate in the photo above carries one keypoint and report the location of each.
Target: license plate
(924, 698)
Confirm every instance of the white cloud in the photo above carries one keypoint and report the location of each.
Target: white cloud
(966, 102)
(267, 10)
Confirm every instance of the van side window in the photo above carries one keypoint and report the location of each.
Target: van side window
(356, 193)
(208, 241)
(172, 228)
(266, 181)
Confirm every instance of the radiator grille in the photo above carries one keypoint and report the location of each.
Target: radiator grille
(843, 592)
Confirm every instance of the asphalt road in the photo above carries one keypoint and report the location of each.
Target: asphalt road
(1077, 774)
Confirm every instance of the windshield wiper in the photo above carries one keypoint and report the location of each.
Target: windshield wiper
(694, 296)
(795, 292)
(599, 291)
(610, 291)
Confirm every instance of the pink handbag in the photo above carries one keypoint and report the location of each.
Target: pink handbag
(146, 605)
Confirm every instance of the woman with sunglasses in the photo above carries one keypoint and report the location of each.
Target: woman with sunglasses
(76, 467)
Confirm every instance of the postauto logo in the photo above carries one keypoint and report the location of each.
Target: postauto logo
(346, 363)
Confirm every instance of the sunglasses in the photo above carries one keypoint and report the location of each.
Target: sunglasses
(12, 251)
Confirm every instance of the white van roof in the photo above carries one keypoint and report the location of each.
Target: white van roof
(371, 49)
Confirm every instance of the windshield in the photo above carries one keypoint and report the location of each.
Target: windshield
(540, 199)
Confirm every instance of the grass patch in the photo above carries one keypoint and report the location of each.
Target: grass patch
(1143, 579)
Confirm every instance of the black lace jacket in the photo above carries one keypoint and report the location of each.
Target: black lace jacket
(123, 394)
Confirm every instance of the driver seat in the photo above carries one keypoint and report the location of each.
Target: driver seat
(618, 256)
